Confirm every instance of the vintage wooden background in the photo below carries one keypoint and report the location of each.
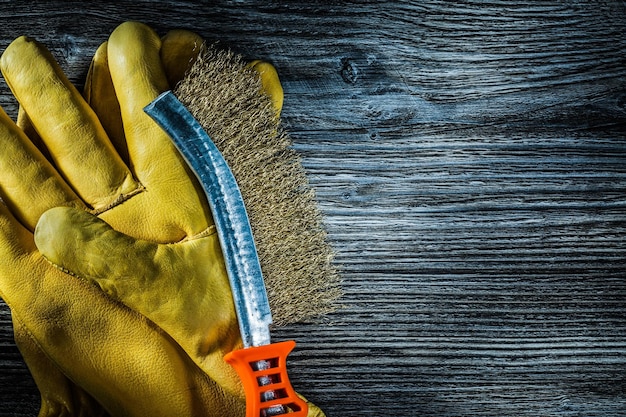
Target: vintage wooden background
(470, 158)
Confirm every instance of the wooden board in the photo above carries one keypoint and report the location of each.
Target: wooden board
(470, 159)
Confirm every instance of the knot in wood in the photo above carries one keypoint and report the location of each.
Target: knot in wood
(349, 71)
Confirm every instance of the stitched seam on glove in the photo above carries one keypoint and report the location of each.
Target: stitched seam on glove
(120, 199)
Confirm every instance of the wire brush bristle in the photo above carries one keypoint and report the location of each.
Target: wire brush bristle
(225, 97)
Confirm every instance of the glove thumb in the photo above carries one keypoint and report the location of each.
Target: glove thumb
(86, 246)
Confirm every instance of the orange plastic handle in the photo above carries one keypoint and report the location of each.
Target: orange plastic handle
(257, 383)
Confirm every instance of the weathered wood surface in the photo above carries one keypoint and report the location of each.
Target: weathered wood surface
(470, 158)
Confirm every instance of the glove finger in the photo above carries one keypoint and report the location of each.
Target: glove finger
(314, 411)
(139, 77)
(179, 49)
(174, 205)
(270, 83)
(100, 95)
(29, 184)
(59, 395)
(67, 125)
(117, 357)
(24, 123)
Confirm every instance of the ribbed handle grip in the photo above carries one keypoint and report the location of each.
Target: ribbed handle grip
(263, 372)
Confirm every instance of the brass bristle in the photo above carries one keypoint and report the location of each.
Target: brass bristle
(297, 261)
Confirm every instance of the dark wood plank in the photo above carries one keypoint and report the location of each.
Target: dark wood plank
(470, 158)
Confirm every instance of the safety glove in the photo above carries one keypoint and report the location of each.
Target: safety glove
(59, 395)
(125, 362)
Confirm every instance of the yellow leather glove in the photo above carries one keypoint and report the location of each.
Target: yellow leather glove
(124, 362)
(59, 395)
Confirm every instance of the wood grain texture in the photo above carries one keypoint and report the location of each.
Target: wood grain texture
(470, 159)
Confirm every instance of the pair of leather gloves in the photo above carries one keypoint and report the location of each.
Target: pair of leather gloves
(94, 192)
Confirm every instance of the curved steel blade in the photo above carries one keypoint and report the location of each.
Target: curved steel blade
(229, 215)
